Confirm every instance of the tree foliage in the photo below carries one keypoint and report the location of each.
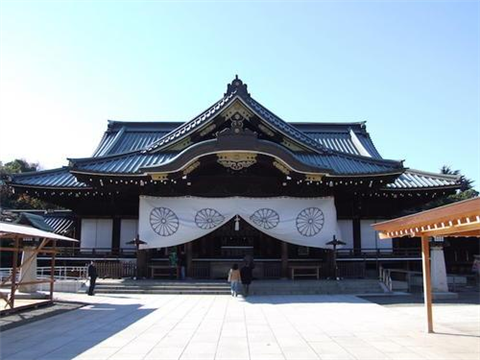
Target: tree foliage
(465, 192)
(18, 166)
(11, 200)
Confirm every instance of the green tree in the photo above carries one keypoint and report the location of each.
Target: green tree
(18, 166)
(11, 200)
(466, 191)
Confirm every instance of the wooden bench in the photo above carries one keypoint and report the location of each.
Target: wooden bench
(311, 271)
(163, 271)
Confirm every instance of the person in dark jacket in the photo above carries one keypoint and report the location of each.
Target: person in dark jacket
(246, 276)
(92, 274)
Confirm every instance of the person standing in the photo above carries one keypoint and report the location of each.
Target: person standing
(234, 279)
(246, 275)
(92, 274)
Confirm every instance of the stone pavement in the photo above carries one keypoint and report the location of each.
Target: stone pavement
(21, 318)
(261, 327)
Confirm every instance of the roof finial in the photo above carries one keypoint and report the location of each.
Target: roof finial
(237, 87)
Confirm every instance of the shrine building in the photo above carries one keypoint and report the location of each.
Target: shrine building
(237, 180)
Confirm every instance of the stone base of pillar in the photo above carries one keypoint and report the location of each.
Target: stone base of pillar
(444, 295)
(28, 271)
(438, 270)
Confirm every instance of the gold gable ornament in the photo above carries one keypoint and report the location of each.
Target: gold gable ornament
(191, 167)
(237, 160)
(159, 176)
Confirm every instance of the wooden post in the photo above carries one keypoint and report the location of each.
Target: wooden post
(284, 260)
(357, 236)
(14, 273)
(188, 258)
(52, 270)
(427, 285)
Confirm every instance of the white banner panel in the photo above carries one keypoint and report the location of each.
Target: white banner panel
(169, 221)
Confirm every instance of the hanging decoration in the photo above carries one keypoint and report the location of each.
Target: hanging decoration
(169, 221)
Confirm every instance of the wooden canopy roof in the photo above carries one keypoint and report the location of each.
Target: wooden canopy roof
(457, 219)
(8, 230)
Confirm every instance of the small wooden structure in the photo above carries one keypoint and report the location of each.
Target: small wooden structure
(17, 234)
(457, 219)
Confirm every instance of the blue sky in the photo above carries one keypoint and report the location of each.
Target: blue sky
(410, 69)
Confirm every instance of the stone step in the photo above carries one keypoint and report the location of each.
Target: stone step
(164, 291)
(161, 287)
(278, 287)
(261, 287)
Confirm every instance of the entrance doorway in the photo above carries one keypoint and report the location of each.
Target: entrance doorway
(211, 256)
(235, 240)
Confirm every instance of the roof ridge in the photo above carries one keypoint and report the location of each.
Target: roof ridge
(76, 161)
(313, 143)
(429, 173)
(201, 117)
(40, 172)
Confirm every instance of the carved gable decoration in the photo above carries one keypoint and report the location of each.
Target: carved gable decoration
(235, 110)
(237, 160)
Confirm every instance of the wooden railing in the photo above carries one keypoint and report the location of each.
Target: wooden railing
(378, 253)
(351, 269)
(76, 252)
(115, 269)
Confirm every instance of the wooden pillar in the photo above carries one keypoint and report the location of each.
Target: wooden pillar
(427, 286)
(14, 272)
(142, 263)
(188, 258)
(116, 235)
(284, 260)
(357, 236)
(52, 269)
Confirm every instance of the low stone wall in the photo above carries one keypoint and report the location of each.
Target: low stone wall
(71, 286)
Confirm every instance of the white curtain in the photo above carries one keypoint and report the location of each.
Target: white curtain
(169, 221)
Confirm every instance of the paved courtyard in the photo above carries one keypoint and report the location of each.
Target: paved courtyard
(262, 327)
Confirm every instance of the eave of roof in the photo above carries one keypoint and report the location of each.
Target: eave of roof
(417, 179)
(59, 178)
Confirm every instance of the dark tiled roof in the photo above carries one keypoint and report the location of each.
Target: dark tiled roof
(340, 164)
(141, 135)
(415, 179)
(36, 221)
(127, 147)
(60, 225)
(122, 136)
(283, 126)
(348, 165)
(122, 164)
(57, 178)
(194, 124)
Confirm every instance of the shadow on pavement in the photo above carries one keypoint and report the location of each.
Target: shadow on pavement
(69, 335)
(465, 298)
(304, 299)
